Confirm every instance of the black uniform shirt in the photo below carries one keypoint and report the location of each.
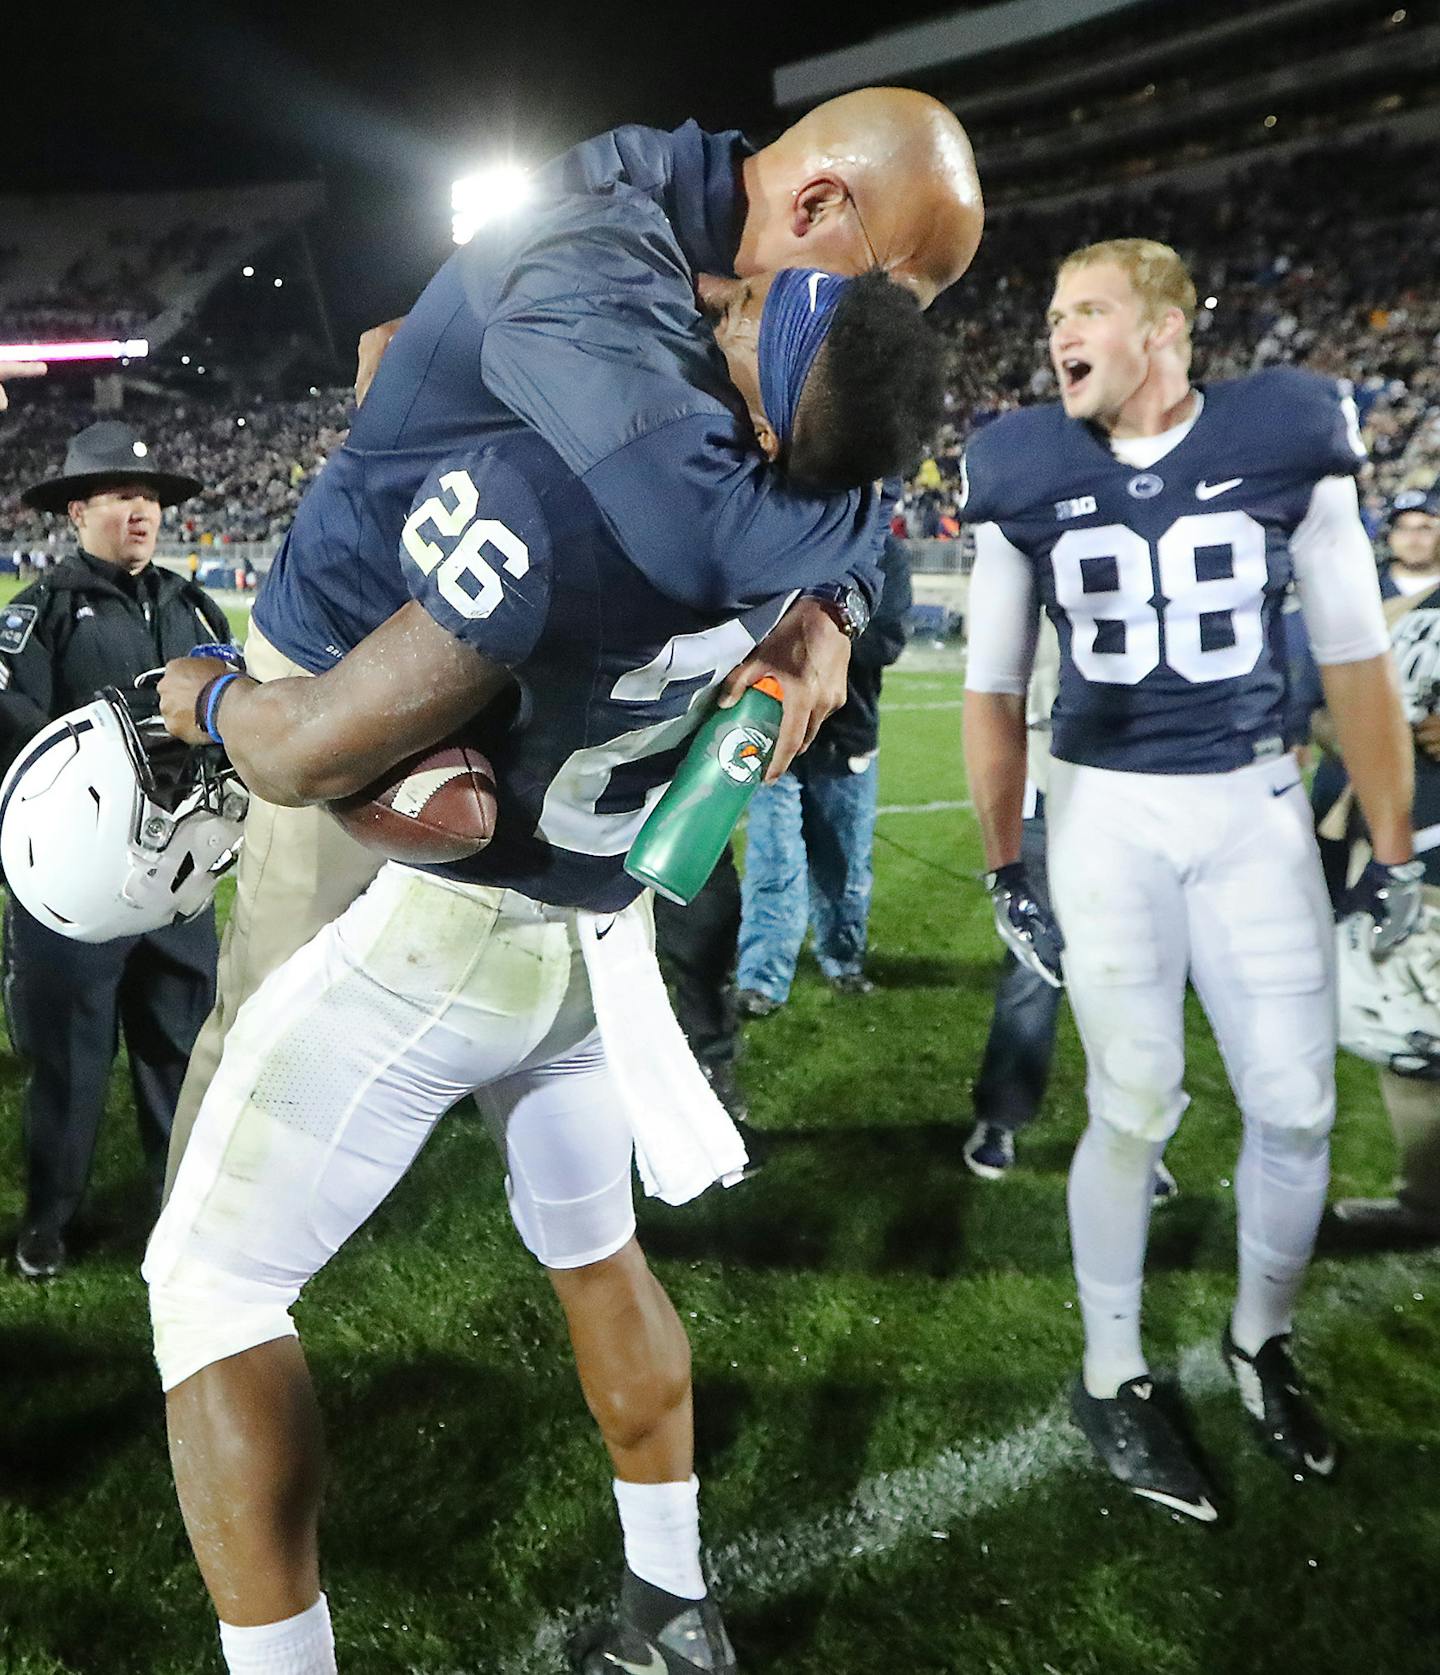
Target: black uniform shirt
(88, 624)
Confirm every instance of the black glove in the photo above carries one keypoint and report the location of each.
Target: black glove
(1391, 896)
(1026, 928)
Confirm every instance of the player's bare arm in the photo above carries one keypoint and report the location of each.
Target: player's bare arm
(993, 728)
(312, 739)
(1363, 702)
(1003, 622)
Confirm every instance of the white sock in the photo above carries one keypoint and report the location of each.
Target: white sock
(661, 1524)
(1111, 1186)
(300, 1645)
(1280, 1188)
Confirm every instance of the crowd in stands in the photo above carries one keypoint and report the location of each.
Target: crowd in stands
(110, 289)
(253, 458)
(1330, 260)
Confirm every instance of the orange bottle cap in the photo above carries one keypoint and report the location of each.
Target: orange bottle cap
(768, 683)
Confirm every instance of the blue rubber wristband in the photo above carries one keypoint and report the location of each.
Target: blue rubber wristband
(217, 687)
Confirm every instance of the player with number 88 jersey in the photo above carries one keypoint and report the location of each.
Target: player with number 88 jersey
(1160, 526)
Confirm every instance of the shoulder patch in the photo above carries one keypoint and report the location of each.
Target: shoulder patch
(17, 623)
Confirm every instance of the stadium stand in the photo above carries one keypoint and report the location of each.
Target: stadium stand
(134, 264)
(1319, 247)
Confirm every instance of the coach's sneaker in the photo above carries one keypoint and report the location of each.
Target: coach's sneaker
(1141, 1448)
(1286, 1420)
(656, 1634)
(990, 1151)
(39, 1254)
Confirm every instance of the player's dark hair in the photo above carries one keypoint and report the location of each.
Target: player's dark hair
(873, 400)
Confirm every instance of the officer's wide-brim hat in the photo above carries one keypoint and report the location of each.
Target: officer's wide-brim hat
(108, 452)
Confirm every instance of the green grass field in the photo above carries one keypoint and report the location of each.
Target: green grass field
(882, 1347)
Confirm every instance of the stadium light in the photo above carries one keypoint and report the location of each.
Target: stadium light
(486, 195)
(279, 283)
(1212, 302)
(184, 360)
(112, 349)
(247, 272)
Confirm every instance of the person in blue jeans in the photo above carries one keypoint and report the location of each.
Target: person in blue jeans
(811, 833)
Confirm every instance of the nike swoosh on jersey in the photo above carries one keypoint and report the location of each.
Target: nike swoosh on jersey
(1208, 491)
(1280, 790)
(815, 279)
(655, 1665)
(601, 935)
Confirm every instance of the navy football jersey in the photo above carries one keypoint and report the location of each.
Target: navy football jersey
(506, 548)
(1166, 586)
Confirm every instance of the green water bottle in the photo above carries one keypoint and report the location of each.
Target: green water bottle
(680, 842)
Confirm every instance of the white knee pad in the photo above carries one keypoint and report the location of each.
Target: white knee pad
(1295, 1097)
(199, 1315)
(1133, 1086)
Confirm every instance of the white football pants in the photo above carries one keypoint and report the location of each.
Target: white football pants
(336, 1071)
(1157, 878)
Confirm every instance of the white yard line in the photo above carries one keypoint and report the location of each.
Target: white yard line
(922, 808)
(937, 704)
(962, 1482)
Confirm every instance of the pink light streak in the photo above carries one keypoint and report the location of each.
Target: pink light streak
(114, 349)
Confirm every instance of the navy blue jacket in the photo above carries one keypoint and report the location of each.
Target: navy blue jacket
(576, 318)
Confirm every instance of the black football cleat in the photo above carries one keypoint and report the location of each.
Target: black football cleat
(1142, 1449)
(656, 1634)
(1285, 1419)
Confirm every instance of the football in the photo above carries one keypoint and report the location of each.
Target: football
(438, 805)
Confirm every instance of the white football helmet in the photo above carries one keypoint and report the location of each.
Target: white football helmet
(1390, 1008)
(111, 828)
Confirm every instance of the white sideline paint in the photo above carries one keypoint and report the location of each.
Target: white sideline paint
(966, 1480)
(938, 704)
(922, 808)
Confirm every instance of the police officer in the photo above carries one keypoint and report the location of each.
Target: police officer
(101, 616)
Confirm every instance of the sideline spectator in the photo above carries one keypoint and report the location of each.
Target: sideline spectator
(99, 617)
(811, 833)
(1411, 582)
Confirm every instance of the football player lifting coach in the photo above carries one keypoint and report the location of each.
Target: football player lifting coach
(528, 327)
(100, 617)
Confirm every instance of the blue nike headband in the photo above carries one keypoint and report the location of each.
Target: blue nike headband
(798, 314)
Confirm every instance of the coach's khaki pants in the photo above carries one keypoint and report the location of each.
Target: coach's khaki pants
(298, 871)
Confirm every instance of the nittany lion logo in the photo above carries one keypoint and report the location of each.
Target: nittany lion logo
(743, 753)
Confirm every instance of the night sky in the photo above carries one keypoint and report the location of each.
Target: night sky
(199, 93)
